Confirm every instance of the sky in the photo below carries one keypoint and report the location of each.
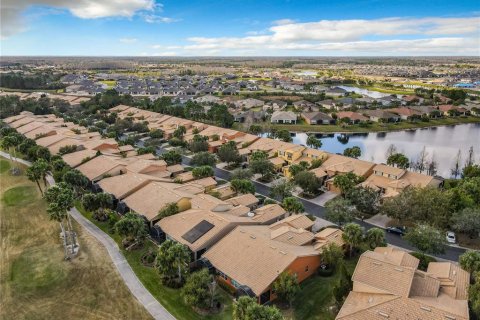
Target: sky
(240, 28)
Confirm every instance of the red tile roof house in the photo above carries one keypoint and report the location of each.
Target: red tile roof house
(353, 117)
(406, 113)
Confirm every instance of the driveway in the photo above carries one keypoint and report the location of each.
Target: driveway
(323, 198)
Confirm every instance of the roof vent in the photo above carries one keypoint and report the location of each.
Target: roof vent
(376, 263)
(252, 236)
(283, 252)
(383, 314)
(399, 269)
(426, 309)
(251, 214)
(450, 317)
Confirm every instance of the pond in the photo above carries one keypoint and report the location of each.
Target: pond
(365, 92)
(442, 144)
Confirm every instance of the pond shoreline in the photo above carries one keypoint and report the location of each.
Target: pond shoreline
(376, 129)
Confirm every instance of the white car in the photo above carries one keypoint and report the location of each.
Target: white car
(451, 237)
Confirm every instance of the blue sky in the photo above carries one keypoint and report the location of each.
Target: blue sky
(219, 28)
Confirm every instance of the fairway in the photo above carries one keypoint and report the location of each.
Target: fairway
(35, 281)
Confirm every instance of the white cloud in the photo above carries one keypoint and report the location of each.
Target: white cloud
(432, 35)
(282, 22)
(151, 18)
(12, 20)
(128, 40)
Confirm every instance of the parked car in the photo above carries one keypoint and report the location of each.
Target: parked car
(451, 238)
(397, 230)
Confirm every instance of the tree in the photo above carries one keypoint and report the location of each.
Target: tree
(241, 174)
(427, 239)
(455, 171)
(353, 152)
(60, 200)
(67, 149)
(284, 135)
(316, 163)
(247, 308)
(398, 160)
(294, 169)
(366, 200)
(172, 157)
(203, 159)
(467, 221)
(202, 172)
(198, 144)
(286, 286)
(34, 174)
(228, 153)
(258, 155)
(343, 287)
(332, 255)
(471, 171)
(156, 134)
(313, 142)
(169, 210)
(243, 186)
(375, 237)
(281, 189)
(179, 132)
(263, 167)
(474, 294)
(94, 201)
(132, 228)
(255, 129)
(76, 180)
(340, 211)
(172, 261)
(292, 205)
(352, 235)
(346, 182)
(10, 142)
(197, 290)
(470, 261)
(308, 181)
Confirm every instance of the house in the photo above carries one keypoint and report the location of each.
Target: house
(351, 117)
(406, 113)
(381, 116)
(328, 104)
(248, 200)
(313, 118)
(199, 229)
(250, 258)
(387, 284)
(280, 117)
(390, 181)
(429, 111)
(305, 105)
(277, 104)
(75, 159)
(153, 197)
(102, 166)
(248, 103)
(335, 92)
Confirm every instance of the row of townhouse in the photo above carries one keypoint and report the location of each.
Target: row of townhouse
(73, 100)
(206, 225)
(389, 181)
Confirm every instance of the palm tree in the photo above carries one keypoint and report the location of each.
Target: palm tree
(58, 214)
(293, 205)
(352, 235)
(313, 142)
(9, 143)
(34, 175)
(132, 228)
(375, 237)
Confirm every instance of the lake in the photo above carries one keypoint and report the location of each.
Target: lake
(365, 92)
(441, 143)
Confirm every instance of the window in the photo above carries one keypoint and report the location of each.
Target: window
(306, 268)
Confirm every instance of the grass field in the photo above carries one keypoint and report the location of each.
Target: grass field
(316, 296)
(35, 281)
(168, 297)
(376, 127)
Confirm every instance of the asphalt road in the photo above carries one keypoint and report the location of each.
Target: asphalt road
(451, 253)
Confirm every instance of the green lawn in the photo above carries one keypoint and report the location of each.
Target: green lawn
(376, 127)
(19, 196)
(168, 297)
(4, 165)
(315, 296)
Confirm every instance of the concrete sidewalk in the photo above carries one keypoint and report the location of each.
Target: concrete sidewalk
(151, 304)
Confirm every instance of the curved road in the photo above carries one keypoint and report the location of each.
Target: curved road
(451, 253)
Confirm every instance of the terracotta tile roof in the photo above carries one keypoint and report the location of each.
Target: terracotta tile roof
(95, 168)
(244, 199)
(150, 199)
(299, 221)
(74, 159)
(268, 213)
(250, 256)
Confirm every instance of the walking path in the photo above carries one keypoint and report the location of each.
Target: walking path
(152, 305)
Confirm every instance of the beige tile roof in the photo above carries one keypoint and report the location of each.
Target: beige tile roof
(250, 256)
(150, 199)
(176, 168)
(177, 225)
(341, 164)
(291, 235)
(389, 170)
(95, 168)
(74, 159)
(387, 285)
(295, 221)
(185, 176)
(123, 185)
(328, 235)
(30, 126)
(21, 122)
(269, 212)
(208, 202)
(244, 199)
(146, 166)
